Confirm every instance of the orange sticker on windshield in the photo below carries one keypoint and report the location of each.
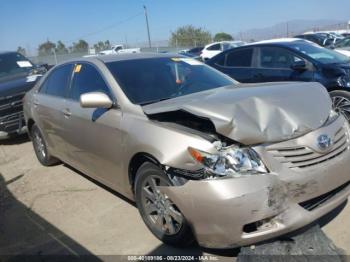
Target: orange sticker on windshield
(77, 68)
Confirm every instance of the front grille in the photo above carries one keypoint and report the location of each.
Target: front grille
(11, 113)
(317, 201)
(303, 156)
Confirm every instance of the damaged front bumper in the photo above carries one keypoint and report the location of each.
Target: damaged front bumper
(234, 212)
(231, 212)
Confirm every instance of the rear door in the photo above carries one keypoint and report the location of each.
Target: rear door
(275, 64)
(49, 105)
(93, 134)
(238, 64)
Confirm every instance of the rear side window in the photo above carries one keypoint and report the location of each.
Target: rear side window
(87, 79)
(240, 58)
(214, 47)
(56, 83)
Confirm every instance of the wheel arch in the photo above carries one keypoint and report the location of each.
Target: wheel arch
(30, 124)
(136, 162)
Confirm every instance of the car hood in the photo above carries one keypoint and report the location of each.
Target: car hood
(256, 113)
(17, 84)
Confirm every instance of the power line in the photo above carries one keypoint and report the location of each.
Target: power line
(107, 27)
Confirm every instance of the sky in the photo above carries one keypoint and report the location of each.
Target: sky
(28, 23)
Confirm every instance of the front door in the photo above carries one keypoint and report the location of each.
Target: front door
(275, 65)
(93, 134)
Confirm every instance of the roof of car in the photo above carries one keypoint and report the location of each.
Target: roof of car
(6, 52)
(123, 57)
(280, 41)
(120, 57)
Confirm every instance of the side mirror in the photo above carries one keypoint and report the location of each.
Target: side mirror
(299, 65)
(95, 100)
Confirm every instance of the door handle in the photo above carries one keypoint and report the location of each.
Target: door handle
(67, 113)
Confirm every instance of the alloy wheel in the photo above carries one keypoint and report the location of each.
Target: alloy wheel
(39, 144)
(160, 210)
(342, 105)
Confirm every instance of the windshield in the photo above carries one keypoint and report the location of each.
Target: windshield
(320, 54)
(151, 80)
(14, 63)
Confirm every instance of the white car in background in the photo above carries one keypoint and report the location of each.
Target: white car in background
(119, 49)
(215, 48)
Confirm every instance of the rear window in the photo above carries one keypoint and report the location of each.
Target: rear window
(57, 82)
(150, 80)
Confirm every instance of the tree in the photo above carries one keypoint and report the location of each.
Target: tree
(81, 46)
(190, 36)
(222, 37)
(46, 48)
(108, 44)
(21, 50)
(100, 46)
(61, 48)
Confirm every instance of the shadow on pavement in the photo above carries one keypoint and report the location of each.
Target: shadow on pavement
(25, 236)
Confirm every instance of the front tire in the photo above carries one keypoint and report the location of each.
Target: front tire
(341, 102)
(40, 148)
(159, 213)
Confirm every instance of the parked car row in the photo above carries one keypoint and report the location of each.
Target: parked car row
(203, 156)
(289, 59)
(322, 38)
(186, 141)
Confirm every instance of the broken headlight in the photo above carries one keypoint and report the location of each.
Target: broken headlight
(230, 161)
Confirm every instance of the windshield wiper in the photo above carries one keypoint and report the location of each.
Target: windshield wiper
(154, 101)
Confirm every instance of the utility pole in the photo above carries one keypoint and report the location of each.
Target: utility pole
(149, 36)
(287, 29)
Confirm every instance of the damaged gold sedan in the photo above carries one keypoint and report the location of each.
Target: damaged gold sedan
(203, 156)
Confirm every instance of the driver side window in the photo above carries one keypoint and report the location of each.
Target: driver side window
(87, 79)
(275, 57)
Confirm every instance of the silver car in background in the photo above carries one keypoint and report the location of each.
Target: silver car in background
(203, 156)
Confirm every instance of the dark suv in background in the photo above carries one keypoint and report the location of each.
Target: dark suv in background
(17, 76)
(289, 60)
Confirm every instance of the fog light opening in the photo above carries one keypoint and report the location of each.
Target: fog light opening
(261, 225)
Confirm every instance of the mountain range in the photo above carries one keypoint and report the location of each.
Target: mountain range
(290, 28)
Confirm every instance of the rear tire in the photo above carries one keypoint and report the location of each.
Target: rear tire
(158, 212)
(341, 102)
(40, 148)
